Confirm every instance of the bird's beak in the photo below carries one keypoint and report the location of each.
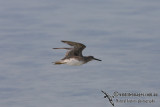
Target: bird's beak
(97, 59)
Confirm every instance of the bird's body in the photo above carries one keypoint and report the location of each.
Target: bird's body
(74, 55)
(72, 61)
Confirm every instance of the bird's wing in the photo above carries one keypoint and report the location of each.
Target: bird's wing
(76, 50)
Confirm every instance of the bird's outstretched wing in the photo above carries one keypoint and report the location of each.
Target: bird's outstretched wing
(108, 96)
(76, 50)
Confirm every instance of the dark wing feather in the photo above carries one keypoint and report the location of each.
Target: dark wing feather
(76, 50)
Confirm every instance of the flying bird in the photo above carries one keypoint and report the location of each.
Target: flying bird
(74, 55)
(108, 96)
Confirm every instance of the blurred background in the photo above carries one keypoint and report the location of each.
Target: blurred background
(124, 34)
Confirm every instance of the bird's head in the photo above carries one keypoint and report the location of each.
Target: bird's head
(93, 58)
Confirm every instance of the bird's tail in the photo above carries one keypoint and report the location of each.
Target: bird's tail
(58, 62)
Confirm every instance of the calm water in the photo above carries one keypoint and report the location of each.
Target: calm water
(124, 34)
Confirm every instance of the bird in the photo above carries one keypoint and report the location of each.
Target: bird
(109, 97)
(74, 55)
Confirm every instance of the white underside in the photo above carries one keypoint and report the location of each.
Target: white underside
(72, 61)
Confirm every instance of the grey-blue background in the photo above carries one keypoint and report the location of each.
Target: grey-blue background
(123, 33)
